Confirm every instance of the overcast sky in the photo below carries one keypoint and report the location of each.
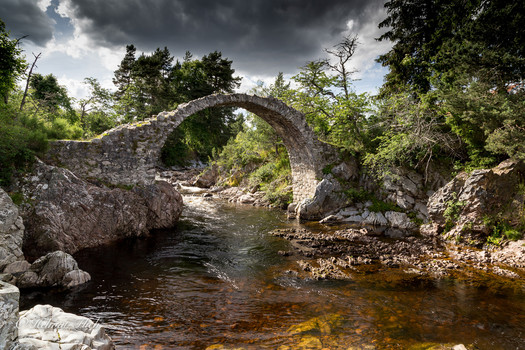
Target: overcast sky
(87, 38)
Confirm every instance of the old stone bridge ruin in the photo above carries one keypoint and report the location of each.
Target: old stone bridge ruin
(130, 153)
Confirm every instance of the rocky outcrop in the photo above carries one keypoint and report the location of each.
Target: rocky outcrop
(56, 269)
(327, 197)
(408, 189)
(9, 296)
(48, 327)
(470, 203)
(208, 178)
(65, 212)
(11, 232)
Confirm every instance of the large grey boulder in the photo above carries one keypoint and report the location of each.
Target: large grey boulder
(48, 327)
(474, 199)
(399, 220)
(69, 213)
(376, 219)
(208, 178)
(11, 232)
(327, 197)
(9, 296)
(56, 269)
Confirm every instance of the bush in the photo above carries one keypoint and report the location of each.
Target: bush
(21, 138)
(61, 128)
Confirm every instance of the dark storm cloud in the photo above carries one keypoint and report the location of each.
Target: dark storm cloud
(25, 18)
(260, 34)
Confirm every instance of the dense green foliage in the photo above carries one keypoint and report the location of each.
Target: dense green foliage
(455, 89)
(152, 83)
(12, 63)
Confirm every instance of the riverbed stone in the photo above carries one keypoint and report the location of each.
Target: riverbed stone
(48, 327)
(9, 297)
(331, 219)
(17, 267)
(354, 218)
(349, 212)
(399, 220)
(327, 197)
(376, 219)
(246, 199)
(208, 178)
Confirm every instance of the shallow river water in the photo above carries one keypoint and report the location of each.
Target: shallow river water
(217, 278)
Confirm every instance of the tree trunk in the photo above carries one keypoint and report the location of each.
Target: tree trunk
(27, 81)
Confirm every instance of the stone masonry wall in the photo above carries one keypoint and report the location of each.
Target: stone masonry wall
(129, 154)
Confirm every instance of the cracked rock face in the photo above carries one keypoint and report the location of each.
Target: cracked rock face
(68, 213)
(483, 193)
(11, 232)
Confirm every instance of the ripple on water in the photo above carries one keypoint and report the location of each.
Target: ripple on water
(218, 278)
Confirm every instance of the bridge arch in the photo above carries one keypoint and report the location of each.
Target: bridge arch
(129, 154)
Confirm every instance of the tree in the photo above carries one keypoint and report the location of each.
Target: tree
(122, 78)
(468, 59)
(50, 96)
(437, 41)
(96, 110)
(326, 97)
(12, 63)
(207, 130)
(28, 79)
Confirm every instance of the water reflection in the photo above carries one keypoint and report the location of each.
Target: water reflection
(218, 278)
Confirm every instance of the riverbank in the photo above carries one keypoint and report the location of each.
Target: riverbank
(219, 280)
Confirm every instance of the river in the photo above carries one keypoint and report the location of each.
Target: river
(217, 278)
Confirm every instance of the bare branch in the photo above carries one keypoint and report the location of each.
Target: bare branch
(28, 78)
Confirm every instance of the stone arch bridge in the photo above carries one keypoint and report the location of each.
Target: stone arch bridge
(129, 154)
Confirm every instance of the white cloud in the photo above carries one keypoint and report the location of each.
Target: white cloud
(75, 87)
(43, 4)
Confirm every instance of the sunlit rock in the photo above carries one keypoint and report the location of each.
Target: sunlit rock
(48, 327)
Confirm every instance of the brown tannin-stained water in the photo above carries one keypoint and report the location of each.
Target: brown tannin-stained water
(217, 278)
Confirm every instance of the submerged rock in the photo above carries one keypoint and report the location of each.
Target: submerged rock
(68, 213)
(323, 324)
